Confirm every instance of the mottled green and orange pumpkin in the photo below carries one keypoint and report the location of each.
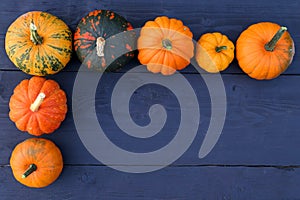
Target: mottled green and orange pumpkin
(104, 41)
(36, 162)
(39, 43)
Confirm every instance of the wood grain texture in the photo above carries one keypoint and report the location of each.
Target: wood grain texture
(256, 156)
(230, 18)
(203, 183)
(260, 129)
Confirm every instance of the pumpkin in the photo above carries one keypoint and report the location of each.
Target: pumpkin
(38, 106)
(264, 50)
(214, 52)
(36, 162)
(104, 41)
(39, 43)
(165, 45)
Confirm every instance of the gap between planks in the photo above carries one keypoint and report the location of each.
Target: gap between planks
(283, 167)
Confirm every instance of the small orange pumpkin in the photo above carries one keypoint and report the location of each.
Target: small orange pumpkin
(38, 106)
(165, 45)
(36, 162)
(214, 52)
(264, 50)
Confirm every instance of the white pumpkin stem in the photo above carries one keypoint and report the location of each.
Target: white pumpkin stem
(38, 101)
(34, 36)
(100, 46)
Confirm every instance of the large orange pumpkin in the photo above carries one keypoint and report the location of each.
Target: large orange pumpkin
(264, 50)
(36, 162)
(38, 106)
(39, 43)
(165, 45)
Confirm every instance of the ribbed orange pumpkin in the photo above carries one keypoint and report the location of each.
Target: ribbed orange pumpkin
(165, 45)
(214, 52)
(39, 43)
(36, 162)
(264, 50)
(38, 106)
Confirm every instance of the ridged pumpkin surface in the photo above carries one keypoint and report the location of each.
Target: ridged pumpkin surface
(50, 113)
(214, 52)
(165, 45)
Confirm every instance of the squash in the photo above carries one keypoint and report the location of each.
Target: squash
(165, 45)
(104, 41)
(214, 52)
(36, 162)
(38, 106)
(264, 50)
(39, 43)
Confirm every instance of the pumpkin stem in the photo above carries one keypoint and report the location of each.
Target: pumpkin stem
(38, 101)
(100, 46)
(167, 44)
(34, 36)
(30, 169)
(220, 48)
(270, 46)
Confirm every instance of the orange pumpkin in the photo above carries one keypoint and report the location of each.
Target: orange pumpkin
(38, 106)
(39, 43)
(165, 45)
(36, 162)
(264, 50)
(214, 52)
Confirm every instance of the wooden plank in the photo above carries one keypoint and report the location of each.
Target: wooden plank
(10, 136)
(261, 126)
(256, 156)
(94, 182)
(230, 17)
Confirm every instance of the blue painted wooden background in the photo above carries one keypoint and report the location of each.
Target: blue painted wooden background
(257, 156)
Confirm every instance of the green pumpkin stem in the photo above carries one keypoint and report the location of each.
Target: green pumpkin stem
(167, 44)
(100, 46)
(30, 169)
(270, 46)
(220, 48)
(34, 36)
